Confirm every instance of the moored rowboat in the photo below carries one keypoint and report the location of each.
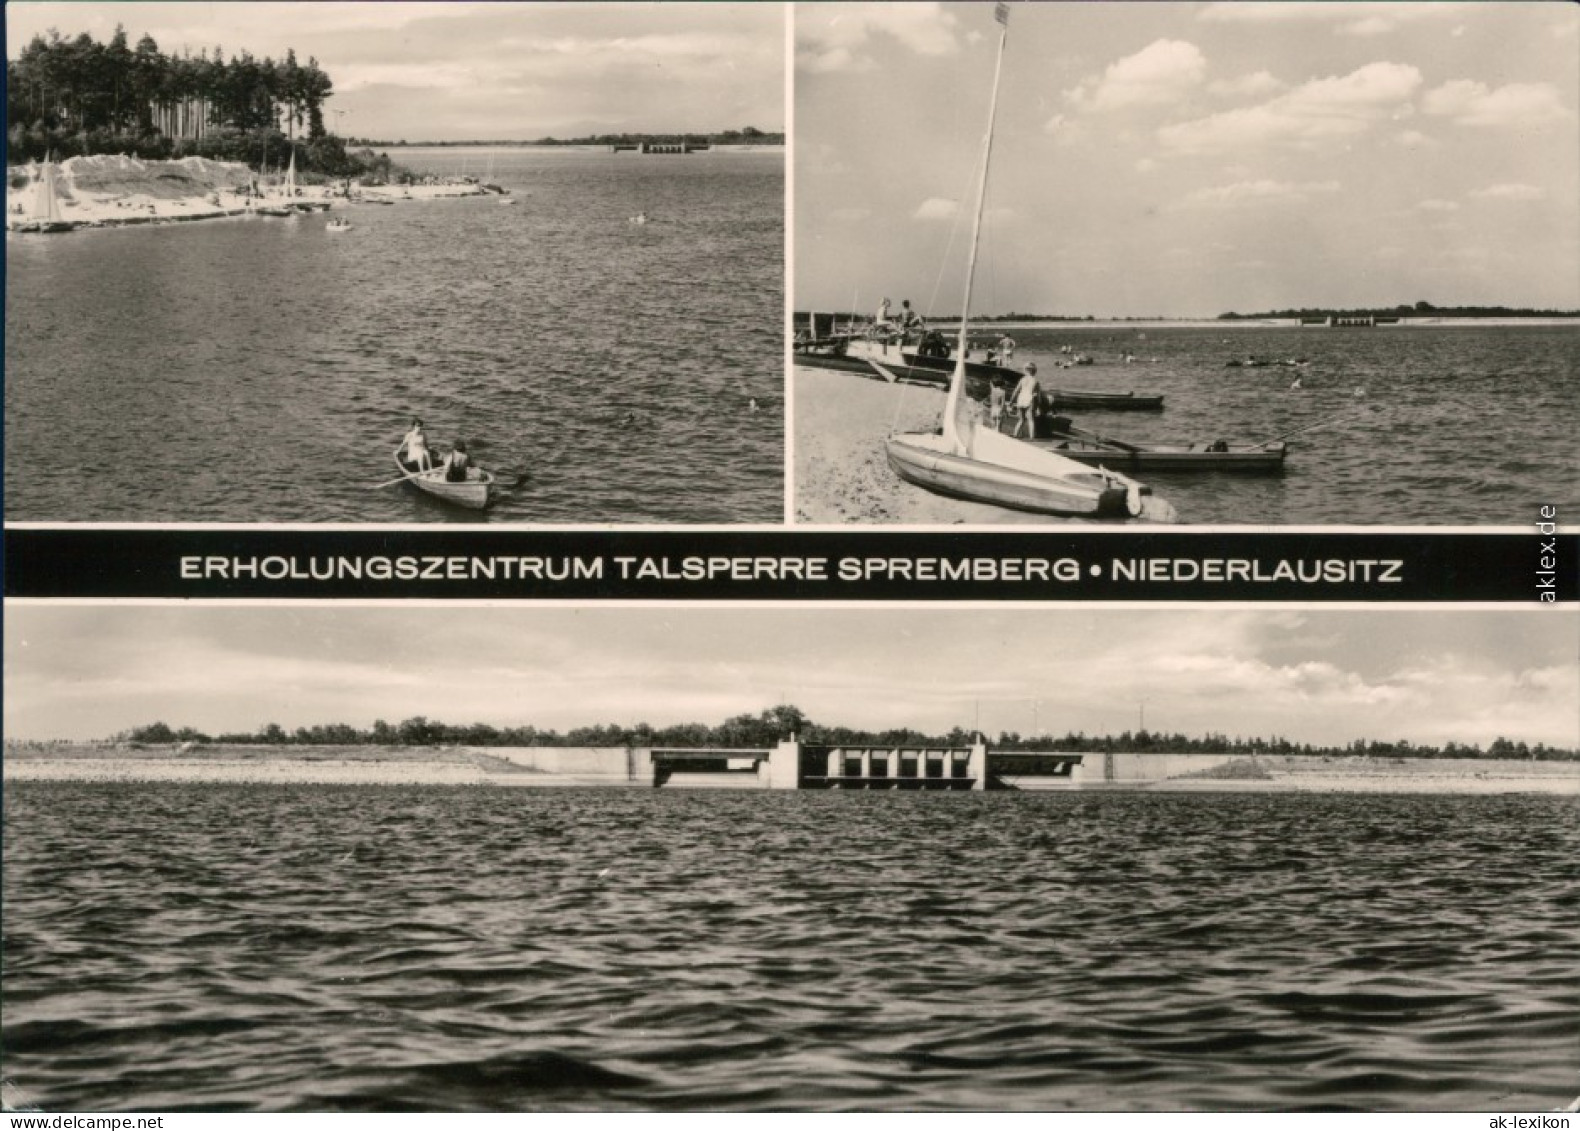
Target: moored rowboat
(1092, 449)
(1091, 399)
(474, 493)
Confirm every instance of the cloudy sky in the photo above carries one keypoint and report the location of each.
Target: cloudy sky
(1318, 676)
(453, 71)
(1190, 159)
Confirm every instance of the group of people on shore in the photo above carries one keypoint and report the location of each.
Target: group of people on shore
(418, 456)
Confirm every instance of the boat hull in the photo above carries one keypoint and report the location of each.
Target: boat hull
(474, 494)
(1046, 485)
(908, 365)
(1259, 459)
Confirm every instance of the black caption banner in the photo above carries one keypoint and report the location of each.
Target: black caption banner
(791, 565)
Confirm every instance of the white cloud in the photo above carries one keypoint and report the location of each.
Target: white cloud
(1346, 19)
(1438, 206)
(833, 38)
(1157, 74)
(1256, 192)
(1146, 165)
(1256, 85)
(1518, 104)
(1509, 192)
(1415, 139)
(936, 208)
(1322, 110)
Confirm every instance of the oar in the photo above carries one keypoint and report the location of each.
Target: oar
(392, 482)
(883, 371)
(1308, 428)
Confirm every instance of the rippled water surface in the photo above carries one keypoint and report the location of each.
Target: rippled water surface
(261, 370)
(1447, 425)
(276, 947)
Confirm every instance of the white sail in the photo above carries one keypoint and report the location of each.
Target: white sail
(46, 205)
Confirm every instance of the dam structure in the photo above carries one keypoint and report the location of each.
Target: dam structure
(795, 765)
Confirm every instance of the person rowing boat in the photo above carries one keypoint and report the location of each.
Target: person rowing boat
(415, 445)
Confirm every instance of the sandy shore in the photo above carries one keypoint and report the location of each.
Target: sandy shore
(108, 193)
(841, 472)
(1387, 775)
(476, 766)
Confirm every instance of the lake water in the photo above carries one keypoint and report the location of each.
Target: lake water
(1430, 425)
(259, 370)
(357, 948)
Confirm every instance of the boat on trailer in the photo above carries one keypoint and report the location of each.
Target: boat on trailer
(966, 459)
(475, 492)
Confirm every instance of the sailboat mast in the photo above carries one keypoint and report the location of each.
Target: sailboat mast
(958, 381)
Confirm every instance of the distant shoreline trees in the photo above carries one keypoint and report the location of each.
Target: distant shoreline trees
(776, 723)
(750, 135)
(1419, 310)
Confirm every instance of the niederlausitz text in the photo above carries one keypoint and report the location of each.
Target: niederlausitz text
(1313, 571)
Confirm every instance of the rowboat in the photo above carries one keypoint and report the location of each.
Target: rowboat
(474, 493)
(1089, 399)
(1093, 449)
(338, 225)
(854, 355)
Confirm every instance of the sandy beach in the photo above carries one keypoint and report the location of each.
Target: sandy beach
(841, 474)
(110, 192)
(373, 765)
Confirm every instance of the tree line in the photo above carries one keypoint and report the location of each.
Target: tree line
(774, 724)
(1418, 310)
(79, 96)
(750, 135)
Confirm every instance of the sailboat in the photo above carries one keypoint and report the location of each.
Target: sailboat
(966, 460)
(46, 215)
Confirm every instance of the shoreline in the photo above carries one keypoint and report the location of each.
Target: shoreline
(980, 329)
(511, 767)
(137, 193)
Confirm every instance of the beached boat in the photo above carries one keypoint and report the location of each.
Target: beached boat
(966, 459)
(1093, 449)
(474, 493)
(1092, 399)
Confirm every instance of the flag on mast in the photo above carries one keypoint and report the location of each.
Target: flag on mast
(1001, 13)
